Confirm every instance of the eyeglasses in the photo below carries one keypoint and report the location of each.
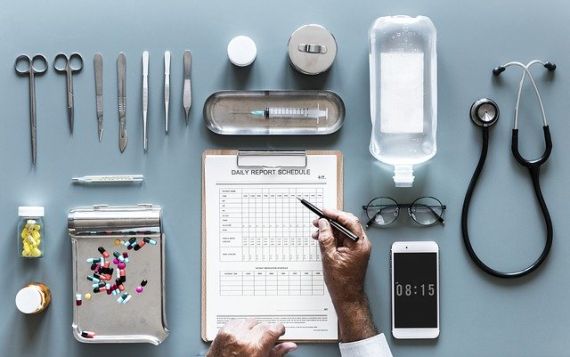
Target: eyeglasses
(425, 211)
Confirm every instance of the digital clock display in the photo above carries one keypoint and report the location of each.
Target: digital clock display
(415, 290)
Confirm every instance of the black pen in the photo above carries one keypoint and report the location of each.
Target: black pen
(333, 223)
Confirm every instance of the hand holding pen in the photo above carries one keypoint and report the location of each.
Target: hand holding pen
(345, 262)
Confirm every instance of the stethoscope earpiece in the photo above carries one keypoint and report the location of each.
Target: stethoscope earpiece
(484, 112)
(550, 66)
(498, 70)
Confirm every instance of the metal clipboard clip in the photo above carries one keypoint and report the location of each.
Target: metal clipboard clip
(271, 159)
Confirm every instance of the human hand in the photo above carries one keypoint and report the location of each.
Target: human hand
(248, 338)
(344, 261)
(344, 268)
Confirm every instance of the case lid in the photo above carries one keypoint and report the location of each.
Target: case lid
(294, 112)
(103, 220)
(29, 300)
(312, 49)
(31, 211)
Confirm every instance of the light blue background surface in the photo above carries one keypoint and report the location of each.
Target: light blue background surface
(480, 316)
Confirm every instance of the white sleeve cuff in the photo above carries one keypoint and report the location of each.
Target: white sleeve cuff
(375, 346)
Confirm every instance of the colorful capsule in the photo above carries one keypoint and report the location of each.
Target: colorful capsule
(115, 261)
(103, 252)
(78, 300)
(149, 241)
(126, 300)
(106, 271)
(87, 334)
(94, 266)
(93, 278)
(96, 260)
(121, 265)
(144, 282)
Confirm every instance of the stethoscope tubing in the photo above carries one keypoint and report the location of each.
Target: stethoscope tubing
(533, 167)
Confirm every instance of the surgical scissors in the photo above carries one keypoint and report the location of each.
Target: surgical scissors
(64, 64)
(32, 66)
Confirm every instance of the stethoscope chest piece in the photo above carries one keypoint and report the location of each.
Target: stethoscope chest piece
(484, 112)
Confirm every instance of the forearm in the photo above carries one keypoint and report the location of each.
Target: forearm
(355, 320)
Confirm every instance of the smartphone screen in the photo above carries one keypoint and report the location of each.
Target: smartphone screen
(415, 290)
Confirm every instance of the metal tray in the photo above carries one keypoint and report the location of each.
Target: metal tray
(142, 318)
(228, 112)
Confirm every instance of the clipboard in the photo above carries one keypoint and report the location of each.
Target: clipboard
(259, 159)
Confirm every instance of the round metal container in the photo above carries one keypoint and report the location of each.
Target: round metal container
(312, 49)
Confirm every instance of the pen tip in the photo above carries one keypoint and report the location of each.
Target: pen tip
(299, 198)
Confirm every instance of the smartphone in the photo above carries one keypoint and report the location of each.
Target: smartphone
(415, 289)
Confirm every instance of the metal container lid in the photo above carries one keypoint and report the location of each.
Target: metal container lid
(312, 49)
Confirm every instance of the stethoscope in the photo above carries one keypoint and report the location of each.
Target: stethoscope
(485, 113)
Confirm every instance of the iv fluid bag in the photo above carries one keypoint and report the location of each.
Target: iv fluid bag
(403, 93)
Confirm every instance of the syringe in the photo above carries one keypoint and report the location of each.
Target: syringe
(290, 113)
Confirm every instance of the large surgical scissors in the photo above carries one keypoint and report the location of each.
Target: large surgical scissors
(32, 66)
(68, 65)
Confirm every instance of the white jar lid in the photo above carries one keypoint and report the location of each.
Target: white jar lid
(30, 211)
(29, 300)
(242, 51)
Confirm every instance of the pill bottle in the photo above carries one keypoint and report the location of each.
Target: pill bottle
(31, 232)
(33, 298)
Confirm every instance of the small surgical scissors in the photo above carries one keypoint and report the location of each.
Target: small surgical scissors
(65, 64)
(32, 66)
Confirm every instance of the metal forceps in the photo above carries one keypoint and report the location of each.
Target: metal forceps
(32, 66)
(68, 65)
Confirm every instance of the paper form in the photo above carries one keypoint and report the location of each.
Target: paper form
(261, 261)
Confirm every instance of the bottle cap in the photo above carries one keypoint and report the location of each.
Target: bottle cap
(242, 51)
(29, 300)
(312, 49)
(30, 211)
(404, 176)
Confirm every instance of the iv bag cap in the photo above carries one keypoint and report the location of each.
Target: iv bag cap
(404, 176)
(242, 51)
(30, 211)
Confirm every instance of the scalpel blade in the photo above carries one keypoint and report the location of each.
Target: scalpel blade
(98, 65)
(122, 100)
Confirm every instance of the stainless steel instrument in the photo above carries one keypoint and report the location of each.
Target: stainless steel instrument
(145, 60)
(108, 179)
(166, 88)
(32, 67)
(68, 65)
(98, 67)
(122, 100)
(187, 94)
